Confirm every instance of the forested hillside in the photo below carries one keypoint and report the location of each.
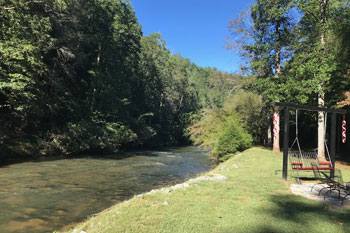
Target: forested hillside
(80, 77)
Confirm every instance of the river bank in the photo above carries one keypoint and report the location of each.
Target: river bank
(249, 197)
(12, 157)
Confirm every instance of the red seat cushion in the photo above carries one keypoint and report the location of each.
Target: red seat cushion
(310, 168)
(325, 163)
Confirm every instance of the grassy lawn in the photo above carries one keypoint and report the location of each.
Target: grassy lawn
(252, 199)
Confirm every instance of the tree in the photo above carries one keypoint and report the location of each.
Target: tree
(266, 47)
(24, 36)
(315, 61)
(169, 94)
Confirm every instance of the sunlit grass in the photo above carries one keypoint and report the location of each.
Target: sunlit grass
(252, 199)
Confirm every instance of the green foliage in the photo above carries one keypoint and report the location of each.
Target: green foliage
(205, 131)
(78, 77)
(297, 50)
(215, 86)
(309, 66)
(230, 129)
(272, 34)
(232, 137)
(249, 107)
(167, 96)
(87, 137)
(24, 35)
(317, 66)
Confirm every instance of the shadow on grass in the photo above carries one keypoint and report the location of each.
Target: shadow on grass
(305, 213)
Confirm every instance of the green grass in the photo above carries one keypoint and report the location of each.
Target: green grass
(252, 199)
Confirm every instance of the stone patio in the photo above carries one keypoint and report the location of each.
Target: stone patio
(325, 197)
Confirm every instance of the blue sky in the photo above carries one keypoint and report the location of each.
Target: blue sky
(196, 29)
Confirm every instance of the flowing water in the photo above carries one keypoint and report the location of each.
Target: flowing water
(44, 196)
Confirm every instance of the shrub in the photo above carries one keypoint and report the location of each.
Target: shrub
(204, 132)
(249, 106)
(222, 132)
(231, 138)
(229, 129)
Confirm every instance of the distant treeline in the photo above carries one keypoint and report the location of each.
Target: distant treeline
(79, 77)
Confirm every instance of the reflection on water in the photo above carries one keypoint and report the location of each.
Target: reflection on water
(48, 195)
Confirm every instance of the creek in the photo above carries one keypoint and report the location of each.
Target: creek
(47, 195)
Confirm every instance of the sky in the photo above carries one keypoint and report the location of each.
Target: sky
(195, 29)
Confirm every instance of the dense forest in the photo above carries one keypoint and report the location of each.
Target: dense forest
(80, 77)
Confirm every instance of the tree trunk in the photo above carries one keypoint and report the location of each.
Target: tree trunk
(321, 130)
(94, 100)
(321, 96)
(95, 91)
(276, 132)
(323, 8)
(269, 132)
(278, 51)
(276, 139)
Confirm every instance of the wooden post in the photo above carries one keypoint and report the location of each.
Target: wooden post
(333, 138)
(285, 144)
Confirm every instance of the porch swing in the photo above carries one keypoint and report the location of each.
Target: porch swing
(300, 157)
(303, 160)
